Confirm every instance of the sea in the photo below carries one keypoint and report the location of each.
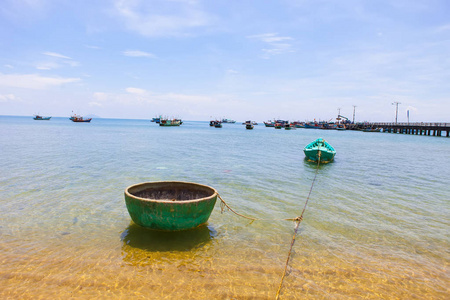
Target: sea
(376, 225)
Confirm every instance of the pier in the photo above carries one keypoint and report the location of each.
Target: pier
(434, 129)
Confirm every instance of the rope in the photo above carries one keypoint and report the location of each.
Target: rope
(223, 204)
(298, 221)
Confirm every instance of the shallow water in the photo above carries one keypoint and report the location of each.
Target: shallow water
(376, 225)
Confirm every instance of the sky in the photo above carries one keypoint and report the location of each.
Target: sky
(242, 60)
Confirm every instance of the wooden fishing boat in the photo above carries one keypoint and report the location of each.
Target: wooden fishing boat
(170, 205)
(215, 123)
(41, 118)
(372, 129)
(228, 121)
(156, 119)
(168, 122)
(319, 149)
(249, 126)
(269, 124)
(78, 119)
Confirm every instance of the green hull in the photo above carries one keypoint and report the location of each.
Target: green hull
(167, 205)
(319, 146)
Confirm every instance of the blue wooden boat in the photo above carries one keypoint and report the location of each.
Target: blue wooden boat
(41, 118)
(319, 149)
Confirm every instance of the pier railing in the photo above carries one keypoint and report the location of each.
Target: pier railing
(417, 128)
(412, 124)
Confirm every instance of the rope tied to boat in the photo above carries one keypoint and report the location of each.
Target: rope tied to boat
(224, 206)
(298, 220)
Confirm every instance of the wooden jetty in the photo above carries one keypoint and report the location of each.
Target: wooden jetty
(434, 129)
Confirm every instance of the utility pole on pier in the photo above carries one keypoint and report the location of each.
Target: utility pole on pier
(396, 110)
(354, 107)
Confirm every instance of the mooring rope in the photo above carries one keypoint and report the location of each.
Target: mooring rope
(298, 221)
(223, 204)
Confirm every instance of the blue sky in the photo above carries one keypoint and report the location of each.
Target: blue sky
(259, 60)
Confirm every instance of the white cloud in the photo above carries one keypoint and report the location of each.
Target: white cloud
(270, 37)
(138, 53)
(96, 104)
(54, 54)
(92, 47)
(137, 91)
(161, 17)
(9, 66)
(47, 65)
(231, 71)
(275, 43)
(8, 98)
(33, 81)
(57, 61)
(100, 96)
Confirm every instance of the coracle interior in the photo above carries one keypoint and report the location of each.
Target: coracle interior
(172, 194)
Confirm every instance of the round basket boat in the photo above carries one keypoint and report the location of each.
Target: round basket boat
(170, 205)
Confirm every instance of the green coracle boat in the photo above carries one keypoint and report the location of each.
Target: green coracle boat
(170, 205)
(319, 148)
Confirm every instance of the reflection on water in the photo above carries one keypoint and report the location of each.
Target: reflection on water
(142, 238)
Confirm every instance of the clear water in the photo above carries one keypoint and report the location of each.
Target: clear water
(376, 226)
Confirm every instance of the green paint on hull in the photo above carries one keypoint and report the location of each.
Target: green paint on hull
(179, 213)
(313, 149)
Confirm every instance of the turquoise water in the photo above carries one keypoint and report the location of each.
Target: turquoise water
(376, 226)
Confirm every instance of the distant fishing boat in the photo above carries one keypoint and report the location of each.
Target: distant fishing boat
(269, 124)
(41, 118)
(213, 123)
(372, 129)
(218, 124)
(298, 124)
(289, 126)
(228, 121)
(313, 125)
(249, 124)
(156, 119)
(319, 149)
(78, 119)
(168, 122)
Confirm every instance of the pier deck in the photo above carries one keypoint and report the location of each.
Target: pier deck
(435, 129)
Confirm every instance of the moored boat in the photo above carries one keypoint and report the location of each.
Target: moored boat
(228, 121)
(269, 124)
(372, 130)
(169, 122)
(213, 123)
(289, 126)
(156, 119)
(170, 205)
(79, 119)
(249, 124)
(41, 118)
(319, 151)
